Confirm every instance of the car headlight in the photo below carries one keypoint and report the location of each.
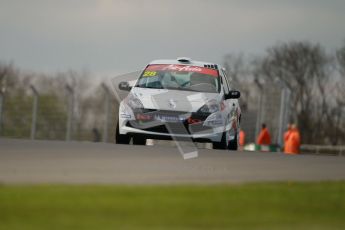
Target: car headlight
(211, 106)
(214, 120)
(126, 112)
(133, 102)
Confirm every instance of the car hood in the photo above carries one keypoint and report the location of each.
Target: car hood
(173, 100)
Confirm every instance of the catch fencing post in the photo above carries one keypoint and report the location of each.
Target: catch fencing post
(106, 108)
(34, 112)
(281, 118)
(1, 110)
(70, 92)
(284, 113)
(259, 112)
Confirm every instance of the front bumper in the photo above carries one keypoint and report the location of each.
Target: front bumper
(166, 132)
(178, 129)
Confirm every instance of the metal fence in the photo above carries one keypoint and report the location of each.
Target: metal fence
(41, 116)
(269, 104)
(32, 116)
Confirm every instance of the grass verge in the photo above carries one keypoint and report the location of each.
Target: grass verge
(249, 206)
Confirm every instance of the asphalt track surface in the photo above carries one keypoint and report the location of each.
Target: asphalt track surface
(25, 161)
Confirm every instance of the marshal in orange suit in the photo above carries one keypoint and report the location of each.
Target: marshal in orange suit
(264, 137)
(292, 145)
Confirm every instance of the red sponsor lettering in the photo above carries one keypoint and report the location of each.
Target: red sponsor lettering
(183, 68)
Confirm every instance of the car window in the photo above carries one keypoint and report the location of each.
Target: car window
(180, 77)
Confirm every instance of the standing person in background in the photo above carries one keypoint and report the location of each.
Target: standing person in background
(242, 139)
(286, 136)
(293, 142)
(264, 137)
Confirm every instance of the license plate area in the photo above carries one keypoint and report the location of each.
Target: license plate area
(168, 118)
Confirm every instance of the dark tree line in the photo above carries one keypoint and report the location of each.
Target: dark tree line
(315, 79)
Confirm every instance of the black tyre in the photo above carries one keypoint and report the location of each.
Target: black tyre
(121, 138)
(222, 144)
(233, 144)
(138, 140)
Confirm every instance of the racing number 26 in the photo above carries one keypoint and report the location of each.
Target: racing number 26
(149, 73)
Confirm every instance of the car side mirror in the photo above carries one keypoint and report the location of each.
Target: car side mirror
(124, 85)
(233, 94)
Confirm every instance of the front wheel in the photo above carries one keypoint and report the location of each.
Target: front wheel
(121, 138)
(138, 140)
(225, 143)
(222, 144)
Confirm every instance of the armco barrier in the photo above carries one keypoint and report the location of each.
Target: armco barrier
(305, 149)
(323, 149)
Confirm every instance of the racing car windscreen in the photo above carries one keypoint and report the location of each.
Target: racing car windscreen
(180, 77)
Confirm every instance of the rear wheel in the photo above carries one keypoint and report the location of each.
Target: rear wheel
(233, 144)
(121, 138)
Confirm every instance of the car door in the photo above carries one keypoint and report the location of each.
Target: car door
(227, 103)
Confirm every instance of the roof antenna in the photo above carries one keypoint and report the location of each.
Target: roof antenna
(184, 59)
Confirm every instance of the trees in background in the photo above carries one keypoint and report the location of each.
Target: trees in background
(303, 68)
(317, 96)
(53, 104)
(239, 71)
(339, 94)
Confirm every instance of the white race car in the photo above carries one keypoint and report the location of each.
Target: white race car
(180, 99)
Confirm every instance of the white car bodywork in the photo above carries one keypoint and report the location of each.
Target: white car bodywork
(184, 105)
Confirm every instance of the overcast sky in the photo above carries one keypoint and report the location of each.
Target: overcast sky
(107, 37)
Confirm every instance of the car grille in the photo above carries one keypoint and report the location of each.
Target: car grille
(147, 115)
(174, 128)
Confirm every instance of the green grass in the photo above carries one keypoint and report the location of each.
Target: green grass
(249, 206)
